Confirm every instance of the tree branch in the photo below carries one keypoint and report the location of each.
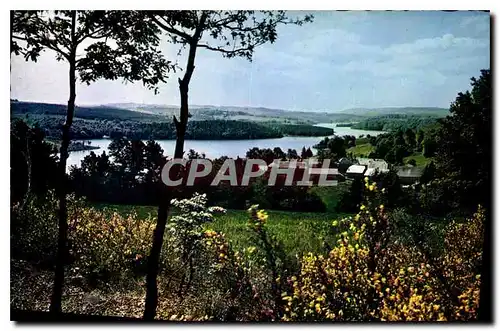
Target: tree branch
(181, 34)
(93, 35)
(46, 43)
(233, 51)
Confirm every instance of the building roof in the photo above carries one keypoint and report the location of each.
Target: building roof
(356, 169)
(328, 171)
(409, 172)
(370, 172)
(379, 164)
(345, 160)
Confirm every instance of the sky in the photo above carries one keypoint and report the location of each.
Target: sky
(344, 59)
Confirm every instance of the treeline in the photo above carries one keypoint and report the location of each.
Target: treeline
(196, 130)
(20, 108)
(395, 122)
(130, 174)
(458, 177)
(396, 145)
(303, 130)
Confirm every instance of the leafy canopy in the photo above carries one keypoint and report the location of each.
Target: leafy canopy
(115, 44)
(231, 33)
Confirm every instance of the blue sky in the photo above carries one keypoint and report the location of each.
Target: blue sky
(341, 60)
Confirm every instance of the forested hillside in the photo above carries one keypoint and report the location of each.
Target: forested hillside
(94, 125)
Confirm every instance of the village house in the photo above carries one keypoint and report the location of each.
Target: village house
(409, 174)
(373, 166)
(355, 171)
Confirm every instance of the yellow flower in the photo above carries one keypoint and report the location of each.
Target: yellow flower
(262, 215)
(381, 207)
(362, 207)
(210, 233)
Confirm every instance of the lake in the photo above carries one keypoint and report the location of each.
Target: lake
(230, 148)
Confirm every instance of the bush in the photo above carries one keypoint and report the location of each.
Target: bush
(34, 227)
(109, 247)
(370, 275)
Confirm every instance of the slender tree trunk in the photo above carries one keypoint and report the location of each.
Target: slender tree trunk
(164, 206)
(56, 299)
(154, 257)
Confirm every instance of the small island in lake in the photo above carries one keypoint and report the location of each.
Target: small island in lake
(75, 146)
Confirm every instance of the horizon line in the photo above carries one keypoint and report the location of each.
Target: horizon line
(227, 106)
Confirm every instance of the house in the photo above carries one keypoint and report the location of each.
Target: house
(374, 165)
(409, 174)
(355, 171)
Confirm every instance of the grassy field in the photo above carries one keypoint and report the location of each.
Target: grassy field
(421, 160)
(299, 232)
(361, 150)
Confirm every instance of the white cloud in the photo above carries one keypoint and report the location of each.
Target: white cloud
(445, 42)
(340, 60)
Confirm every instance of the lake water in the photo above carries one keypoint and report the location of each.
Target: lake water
(230, 148)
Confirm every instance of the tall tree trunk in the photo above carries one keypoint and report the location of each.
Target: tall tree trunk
(56, 299)
(164, 206)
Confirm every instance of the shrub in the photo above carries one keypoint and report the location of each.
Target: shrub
(370, 275)
(109, 247)
(34, 227)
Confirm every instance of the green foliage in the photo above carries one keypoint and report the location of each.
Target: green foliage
(133, 57)
(33, 233)
(96, 122)
(331, 148)
(394, 122)
(420, 160)
(370, 276)
(464, 143)
(372, 270)
(231, 33)
(108, 248)
(33, 162)
(300, 232)
(303, 130)
(361, 150)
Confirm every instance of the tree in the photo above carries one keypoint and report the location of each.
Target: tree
(279, 154)
(428, 173)
(292, 154)
(309, 153)
(115, 44)
(464, 140)
(463, 155)
(192, 154)
(419, 138)
(33, 162)
(230, 33)
(410, 138)
(303, 153)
